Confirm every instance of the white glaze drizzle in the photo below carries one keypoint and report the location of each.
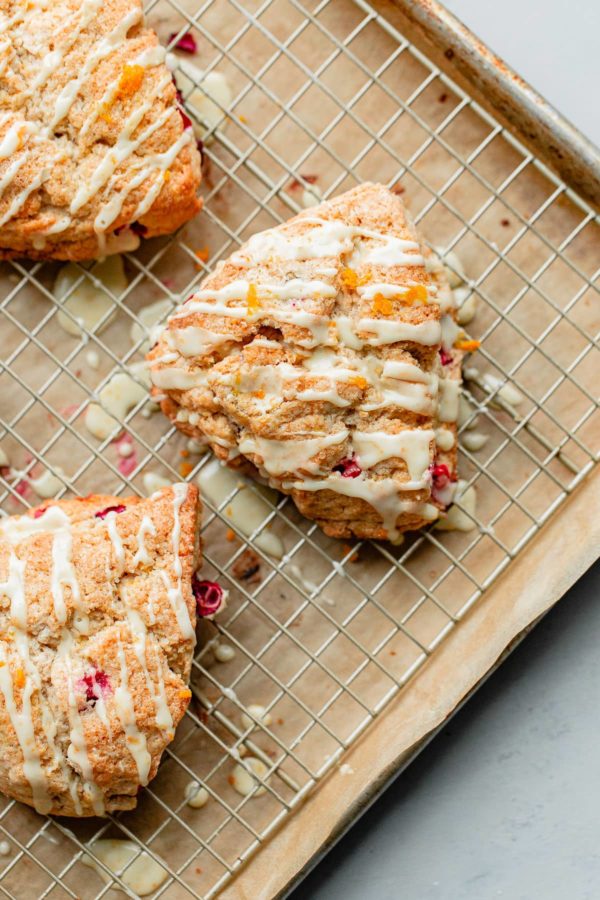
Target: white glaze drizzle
(135, 740)
(141, 554)
(289, 455)
(175, 592)
(412, 445)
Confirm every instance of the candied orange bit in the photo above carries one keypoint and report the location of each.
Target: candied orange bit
(105, 116)
(130, 81)
(237, 378)
(252, 299)
(467, 346)
(185, 693)
(243, 120)
(166, 175)
(185, 468)
(365, 277)
(382, 305)
(203, 253)
(349, 278)
(230, 535)
(415, 294)
(231, 779)
(2, 664)
(259, 394)
(184, 453)
(358, 381)
(20, 678)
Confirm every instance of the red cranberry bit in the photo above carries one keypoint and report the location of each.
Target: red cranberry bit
(209, 596)
(445, 357)
(39, 512)
(186, 43)
(96, 684)
(138, 229)
(440, 474)
(348, 467)
(104, 512)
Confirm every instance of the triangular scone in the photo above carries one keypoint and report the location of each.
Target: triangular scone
(97, 622)
(94, 151)
(312, 354)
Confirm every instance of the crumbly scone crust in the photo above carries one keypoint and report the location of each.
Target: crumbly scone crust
(336, 342)
(97, 624)
(91, 136)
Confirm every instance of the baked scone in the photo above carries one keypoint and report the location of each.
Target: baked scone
(311, 357)
(97, 630)
(94, 150)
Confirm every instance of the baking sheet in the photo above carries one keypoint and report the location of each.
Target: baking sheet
(357, 650)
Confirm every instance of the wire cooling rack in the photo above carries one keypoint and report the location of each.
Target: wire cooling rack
(325, 94)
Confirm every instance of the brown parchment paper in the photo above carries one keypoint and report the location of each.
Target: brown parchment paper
(358, 651)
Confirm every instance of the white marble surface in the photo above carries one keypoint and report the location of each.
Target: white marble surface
(504, 803)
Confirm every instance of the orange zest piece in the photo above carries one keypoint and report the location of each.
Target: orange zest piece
(358, 381)
(252, 300)
(415, 294)
(203, 253)
(349, 279)
(185, 468)
(184, 453)
(20, 678)
(243, 119)
(259, 394)
(166, 175)
(185, 693)
(230, 534)
(130, 81)
(382, 305)
(467, 346)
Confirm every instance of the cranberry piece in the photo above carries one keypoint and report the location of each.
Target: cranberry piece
(186, 43)
(187, 122)
(104, 512)
(138, 229)
(209, 596)
(348, 467)
(440, 474)
(39, 513)
(95, 684)
(445, 357)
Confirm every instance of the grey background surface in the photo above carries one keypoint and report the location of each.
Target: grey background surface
(506, 801)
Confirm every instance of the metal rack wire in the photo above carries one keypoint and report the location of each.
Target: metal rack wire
(326, 94)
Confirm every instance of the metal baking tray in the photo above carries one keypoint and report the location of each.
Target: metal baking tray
(359, 652)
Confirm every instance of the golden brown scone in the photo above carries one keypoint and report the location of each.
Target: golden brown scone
(311, 357)
(94, 150)
(97, 620)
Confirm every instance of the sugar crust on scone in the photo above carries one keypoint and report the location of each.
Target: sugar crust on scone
(92, 140)
(314, 350)
(97, 630)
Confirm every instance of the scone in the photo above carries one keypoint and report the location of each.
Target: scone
(97, 630)
(311, 357)
(94, 149)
